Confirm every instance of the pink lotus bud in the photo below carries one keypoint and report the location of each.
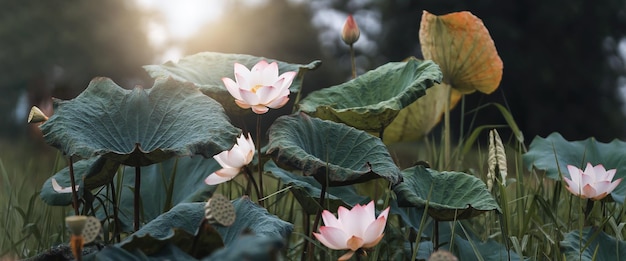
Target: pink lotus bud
(350, 33)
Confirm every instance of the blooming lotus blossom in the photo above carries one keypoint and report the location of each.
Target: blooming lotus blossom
(593, 183)
(350, 32)
(260, 88)
(353, 229)
(232, 160)
(56, 187)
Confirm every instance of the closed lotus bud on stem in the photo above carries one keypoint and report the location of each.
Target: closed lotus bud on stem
(36, 115)
(350, 33)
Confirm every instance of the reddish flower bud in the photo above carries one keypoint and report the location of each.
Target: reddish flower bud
(350, 33)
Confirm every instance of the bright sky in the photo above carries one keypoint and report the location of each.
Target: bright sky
(180, 20)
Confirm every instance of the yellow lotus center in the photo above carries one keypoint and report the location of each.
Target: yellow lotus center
(256, 87)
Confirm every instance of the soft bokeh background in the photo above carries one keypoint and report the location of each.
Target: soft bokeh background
(563, 60)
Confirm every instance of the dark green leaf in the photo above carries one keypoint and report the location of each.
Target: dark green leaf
(307, 191)
(177, 226)
(187, 173)
(333, 153)
(553, 153)
(253, 219)
(207, 69)
(372, 100)
(250, 248)
(487, 250)
(139, 127)
(593, 244)
(255, 233)
(91, 173)
(449, 195)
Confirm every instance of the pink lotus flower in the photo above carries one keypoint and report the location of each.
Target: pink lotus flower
(350, 32)
(232, 160)
(354, 229)
(260, 88)
(593, 183)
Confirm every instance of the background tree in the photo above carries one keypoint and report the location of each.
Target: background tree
(54, 48)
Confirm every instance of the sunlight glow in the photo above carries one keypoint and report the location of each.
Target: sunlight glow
(184, 17)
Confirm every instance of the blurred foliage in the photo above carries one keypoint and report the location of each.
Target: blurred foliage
(562, 65)
(54, 48)
(561, 58)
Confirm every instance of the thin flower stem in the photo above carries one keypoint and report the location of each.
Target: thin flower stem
(116, 227)
(194, 245)
(318, 215)
(588, 209)
(258, 147)
(446, 129)
(308, 248)
(74, 193)
(435, 235)
(251, 178)
(137, 197)
(353, 61)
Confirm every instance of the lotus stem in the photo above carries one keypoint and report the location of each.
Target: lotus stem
(446, 129)
(194, 245)
(73, 185)
(136, 198)
(319, 214)
(116, 229)
(308, 248)
(258, 148)
(76, 244)
(251, 179)
(435, 235)
(353, 61)
(588, 209)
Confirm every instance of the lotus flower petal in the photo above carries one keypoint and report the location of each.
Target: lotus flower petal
(353, 229)
(261, 87)
(232, 160)
(595, 182)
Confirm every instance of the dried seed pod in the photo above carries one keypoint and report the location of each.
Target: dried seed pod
(92, 229)
(219, 210)
(76, 224)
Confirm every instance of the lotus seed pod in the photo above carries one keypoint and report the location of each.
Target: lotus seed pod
(76, 224)
(442, 255)
(92, 229)
(36, 115)
(219, 210)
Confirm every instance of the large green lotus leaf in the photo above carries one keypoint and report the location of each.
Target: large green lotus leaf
(90, 173)
(184, 177)
(307, 191)
(140, 127)
(554, 153)
(114, 253)
(249, 248)
(418, 119)
(593, 245)
(178, 226)
(449, 195)
(372, 100)
(207, 69)
(473, 249)
(255, 220)
(333, 153)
